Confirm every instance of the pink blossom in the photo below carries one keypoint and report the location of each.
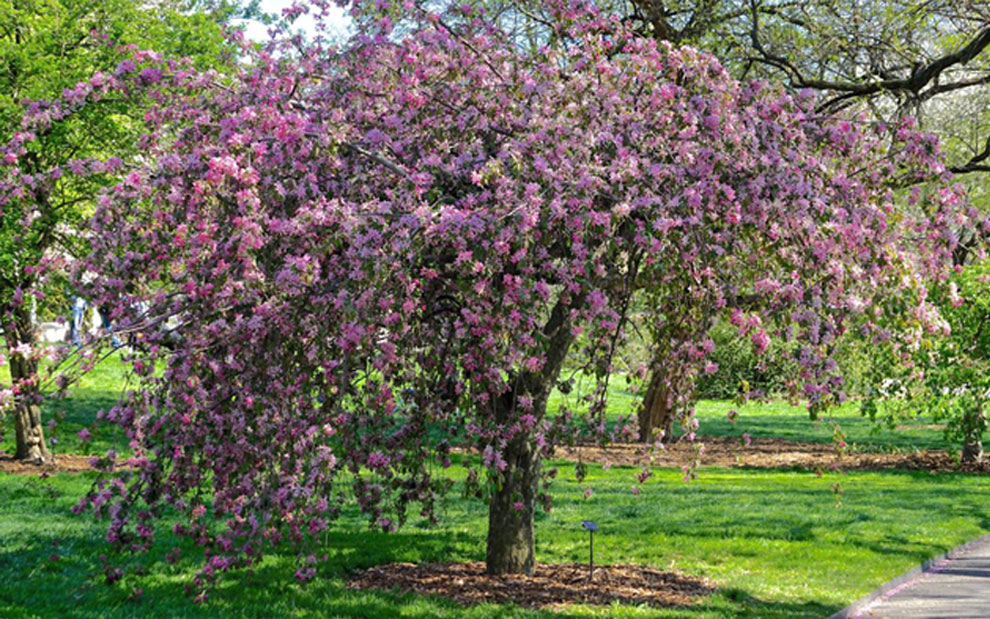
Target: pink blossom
(760, 341)
(377, 460)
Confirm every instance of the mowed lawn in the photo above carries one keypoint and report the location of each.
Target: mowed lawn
(779, 419)
(775, 542)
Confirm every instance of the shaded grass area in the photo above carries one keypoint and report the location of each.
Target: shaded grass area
(773, 541)
(779, 419)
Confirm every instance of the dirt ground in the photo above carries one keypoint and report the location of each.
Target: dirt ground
(64, 463)
(718, 451)
(550, 585)
(766, 453)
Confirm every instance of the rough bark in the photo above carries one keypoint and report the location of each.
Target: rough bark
(511, 539)
(972, 449)
(28, 429)
(656, 411)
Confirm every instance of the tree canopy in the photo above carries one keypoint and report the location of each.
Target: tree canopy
(885, 60)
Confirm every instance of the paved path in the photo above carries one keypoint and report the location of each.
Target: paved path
(955, 585)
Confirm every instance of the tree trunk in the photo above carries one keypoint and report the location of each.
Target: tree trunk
(972, 449)
(28, 430)
(657, 410)
(511, 540)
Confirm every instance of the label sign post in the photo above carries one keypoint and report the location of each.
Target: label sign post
(591, 528)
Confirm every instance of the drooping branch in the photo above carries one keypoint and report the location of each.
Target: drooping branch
(391, 166)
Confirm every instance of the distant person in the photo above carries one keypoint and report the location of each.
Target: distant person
(105, 323)
(78, 326)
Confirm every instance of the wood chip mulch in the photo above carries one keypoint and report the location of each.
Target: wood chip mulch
(768, 453)
(64, 463)
(550, 584)
(719, 451)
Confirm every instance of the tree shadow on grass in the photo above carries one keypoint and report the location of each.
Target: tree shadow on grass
(977, 513)
(75, 587)
(37, 585)
(33, 586)
(330, 596)
(353, 550)
(745, 605)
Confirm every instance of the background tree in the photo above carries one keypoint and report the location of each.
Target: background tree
(49, 50)
(945, 373)
(887, 59)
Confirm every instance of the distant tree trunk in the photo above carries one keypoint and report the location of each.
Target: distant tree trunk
(28, 430)
(657, 410)
(972, 449)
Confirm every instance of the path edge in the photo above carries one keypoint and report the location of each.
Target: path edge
(862, 604)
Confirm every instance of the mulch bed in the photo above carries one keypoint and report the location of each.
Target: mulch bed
(550, 584)
(767, 453)
(719, 451)
(64, 463)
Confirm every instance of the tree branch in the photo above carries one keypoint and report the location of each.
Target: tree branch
(921, 75)
(390, 165)
(975, 164)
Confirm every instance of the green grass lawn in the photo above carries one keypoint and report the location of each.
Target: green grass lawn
(96, 390)
(778, 419)
(773, 541)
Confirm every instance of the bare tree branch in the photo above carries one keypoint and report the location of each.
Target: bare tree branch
(921, 75)
(975, 164)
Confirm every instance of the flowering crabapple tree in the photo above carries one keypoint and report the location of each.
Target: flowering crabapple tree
(680, 338)
(346, 261)
(48, 175)
(788, 49)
